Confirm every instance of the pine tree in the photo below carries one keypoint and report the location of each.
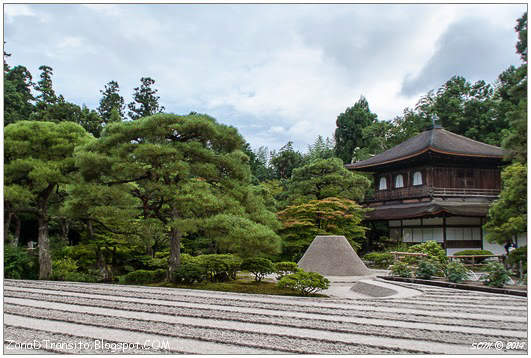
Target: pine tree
(191, 177)
(146, 99)
(111, 100)
(47, 94)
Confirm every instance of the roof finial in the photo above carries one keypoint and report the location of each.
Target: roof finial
(434, 119)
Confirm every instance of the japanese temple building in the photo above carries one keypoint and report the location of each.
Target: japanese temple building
(436, 186)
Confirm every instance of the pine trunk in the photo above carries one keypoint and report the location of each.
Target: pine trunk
(18, 226)
(45, 262)
(175, 252)
(7, 223)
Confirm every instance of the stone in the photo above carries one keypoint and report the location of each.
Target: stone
(332, 256)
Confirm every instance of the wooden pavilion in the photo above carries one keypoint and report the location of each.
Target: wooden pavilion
(435, 186)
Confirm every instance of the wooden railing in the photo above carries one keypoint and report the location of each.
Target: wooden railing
(425, 191)
(464, 192)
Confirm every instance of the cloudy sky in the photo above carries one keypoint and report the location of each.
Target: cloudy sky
(276, 72)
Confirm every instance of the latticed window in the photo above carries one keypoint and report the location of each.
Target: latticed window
(417, 178)
(399, 181)
(383, 184)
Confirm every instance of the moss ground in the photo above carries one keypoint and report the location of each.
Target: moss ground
(241, 285)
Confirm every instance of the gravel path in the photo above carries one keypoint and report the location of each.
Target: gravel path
(107, 319)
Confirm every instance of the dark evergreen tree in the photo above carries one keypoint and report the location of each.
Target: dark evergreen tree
(110, 100)
(47, 94)
(18, 99)
(285, 161)
(349, 132)
(145, 102)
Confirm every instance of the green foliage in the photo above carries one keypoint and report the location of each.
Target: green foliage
(19, 264)
(240, 286)
(285, 161)
(285, 268)
(63, 266)
(17, 94)
(456, 272)
(144, 276)
(426, 269)
(111, 101)
(190, 272)
(146, 99)
(258, 266)
(320, 149)
(432, 249)
(191, 177)
(325, 178)
(83, 255)
(47, 94)
(497, 275)
(306, 283)
(349, 134)
(517, 255)
(220, 267)
(259, 163)
(400, 269)
(521, 45)
(474, 252)
(514, 258)
(379, 259)
(38, 162)
(330, 216)
(507, 215)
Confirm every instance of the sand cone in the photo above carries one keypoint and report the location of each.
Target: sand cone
(332, 256)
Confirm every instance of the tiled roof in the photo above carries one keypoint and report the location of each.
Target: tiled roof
(436, 140)
(431, 208)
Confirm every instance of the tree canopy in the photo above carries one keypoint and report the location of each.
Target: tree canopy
(190, 174)
(349, 132)
(329, 216)
(38, 159)
(507, 216)
(111, 101)
(326, 178)
(145, 101)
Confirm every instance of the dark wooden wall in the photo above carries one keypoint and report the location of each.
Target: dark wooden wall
(465, 178)
(446, 177)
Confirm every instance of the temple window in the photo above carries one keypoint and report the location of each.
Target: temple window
(383, 184)
(399, 181)
(417, 178)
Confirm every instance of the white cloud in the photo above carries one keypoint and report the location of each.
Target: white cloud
(276, 72)
(13, 10)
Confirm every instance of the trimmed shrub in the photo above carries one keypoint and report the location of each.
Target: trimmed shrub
(62, 267)
(258, 266)
(190, 272)
(20, 264)
(474, 252)
(379, 259)
(517, 255)
(431, 248)
(497, 275)
(220, 268)
(456, 272)
(305, 283)
(144, 276)
(400, 269)
(426, 269)
(285, 268)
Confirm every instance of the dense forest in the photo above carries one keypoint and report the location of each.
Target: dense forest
(120, 188)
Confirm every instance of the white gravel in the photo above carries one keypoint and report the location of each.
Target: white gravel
(228, 323)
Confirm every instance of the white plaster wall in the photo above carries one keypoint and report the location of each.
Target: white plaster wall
(496, 249)
(522, 240)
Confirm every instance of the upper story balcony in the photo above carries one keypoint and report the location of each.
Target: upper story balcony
(416, 192)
